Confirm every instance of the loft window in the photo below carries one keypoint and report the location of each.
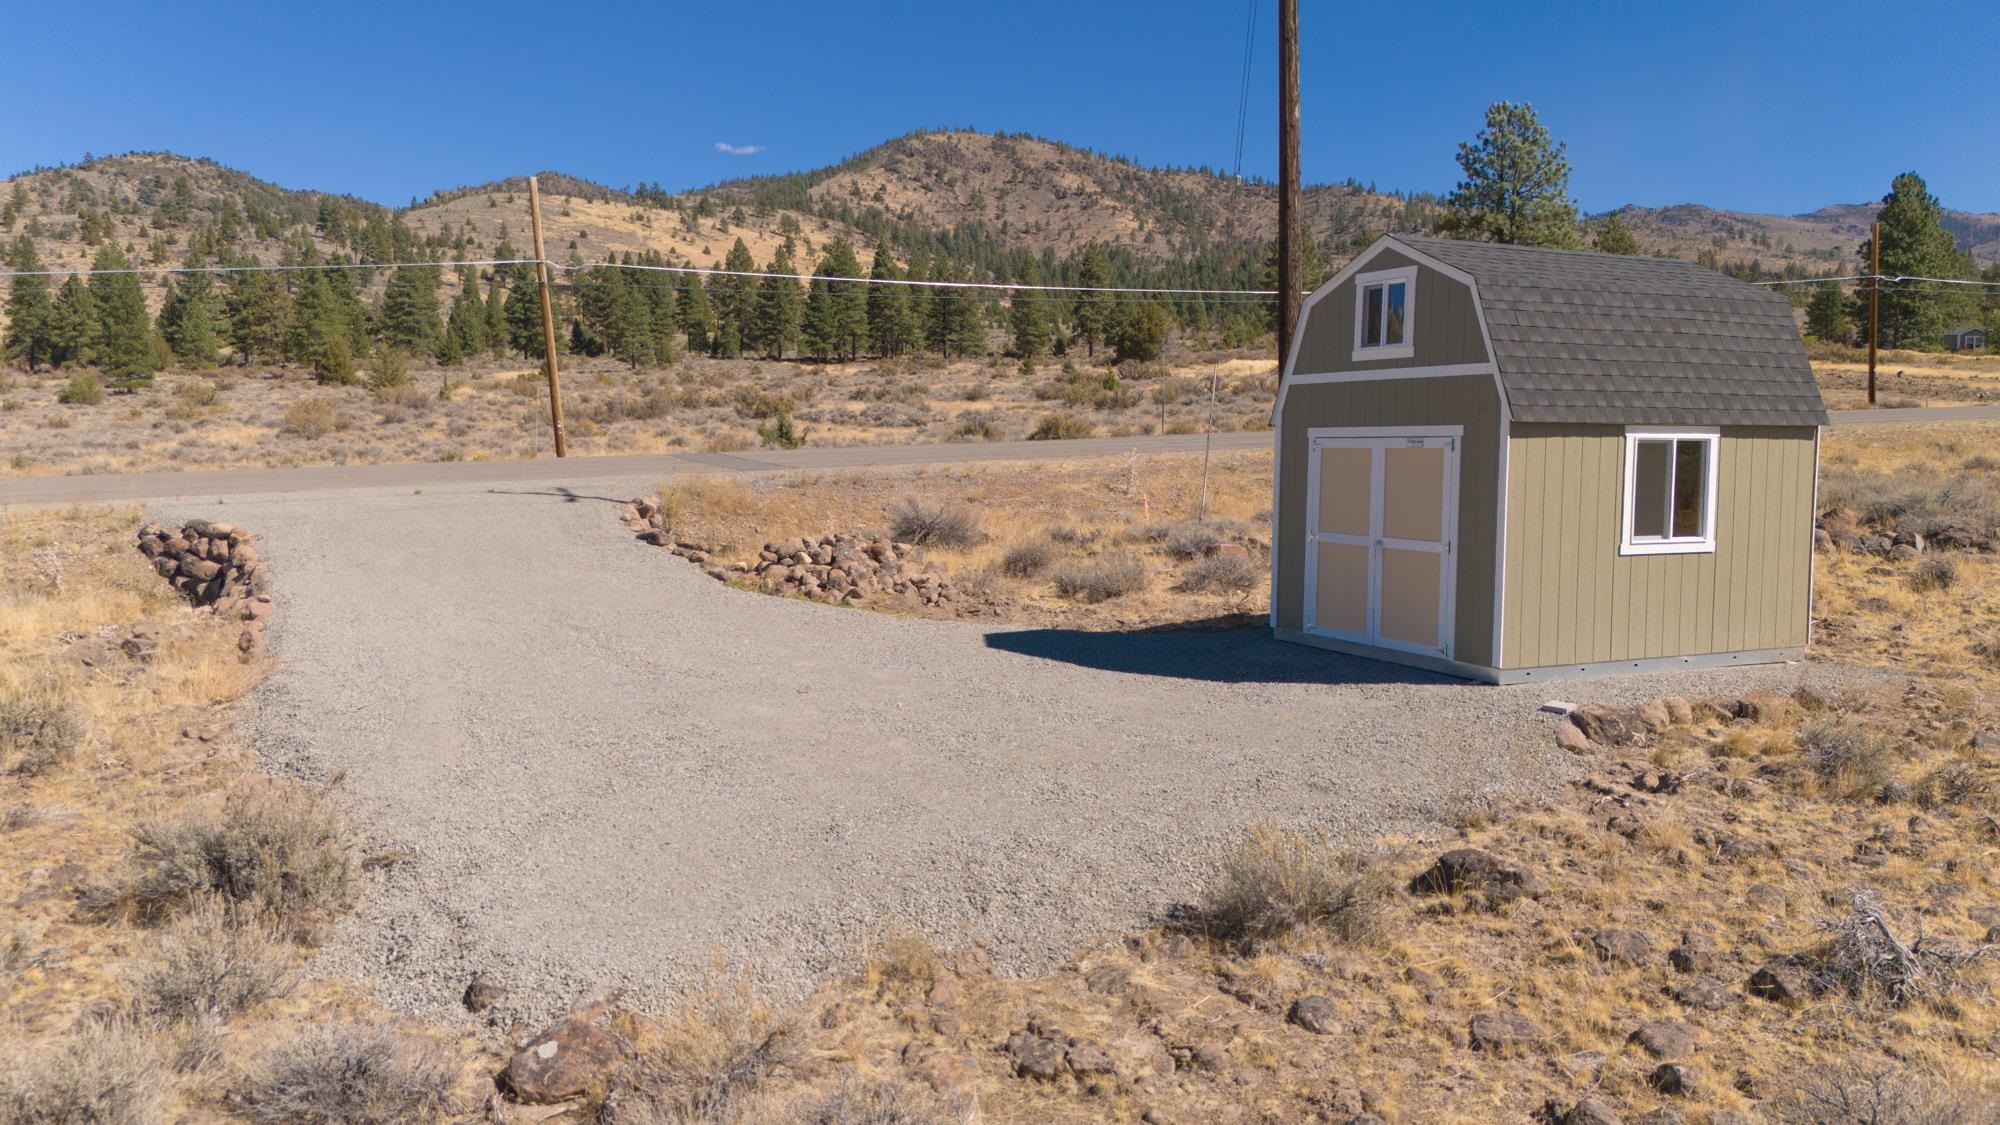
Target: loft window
(1670, 478)
(1384, 314)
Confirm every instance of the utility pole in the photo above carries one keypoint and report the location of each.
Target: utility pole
(1874, 301)
(1288, 177)
(548, 316)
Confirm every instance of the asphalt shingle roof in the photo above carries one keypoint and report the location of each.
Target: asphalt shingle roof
(1583, 337)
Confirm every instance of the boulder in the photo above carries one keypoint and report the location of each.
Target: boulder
(1463, 869)
(1316, 1014)
(482, 994)
(1571, 738)
(1037, 1056)
(1629, 947)
(1768, 707)
(1606, 726)
(1695, 954)
(1680, 710)
(1782, 982)
(1085, 1060)
(1672, 1079)
(1703, 994)
(562, 1062)
(1667, 1039)
(1655, 717)
(1591, 1111)
(1502, 1031)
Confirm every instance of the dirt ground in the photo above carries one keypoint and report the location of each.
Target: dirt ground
(1905, 379)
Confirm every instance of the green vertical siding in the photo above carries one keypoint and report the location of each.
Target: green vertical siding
(1444, 327)
(1571, 598)
(1470, 401)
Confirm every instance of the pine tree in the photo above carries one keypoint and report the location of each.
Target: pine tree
(1916, 314)
(522, 313)
(734, 295)
(496, 313)
(1141, 334)
(75, 329)
(1827, 314)
(188, 318)
(1614, 237)
(1516, 186)
(127, 352)
(836, 316)
(31, 310)
(1091, 315)
(956, 324)
(259, 311)
(694, 313)
(409, 311)
(774, 325)
(654, 289)
(887, 309)
(465, 329)
(1028, 317)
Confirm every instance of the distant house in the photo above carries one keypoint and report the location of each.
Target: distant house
(1516, 464)
(1965, 340)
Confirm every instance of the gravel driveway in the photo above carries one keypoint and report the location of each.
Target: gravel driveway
(608, 769)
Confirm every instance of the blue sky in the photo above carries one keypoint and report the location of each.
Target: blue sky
(1756, 105)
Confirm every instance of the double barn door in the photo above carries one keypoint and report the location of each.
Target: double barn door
(1382, 509)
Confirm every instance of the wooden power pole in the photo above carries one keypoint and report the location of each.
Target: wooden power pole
(548, 316)
(1874, 302)
(1288, 177)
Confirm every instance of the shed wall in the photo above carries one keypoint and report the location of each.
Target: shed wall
(1444, 329)
(1470, 401)
(1571, 598)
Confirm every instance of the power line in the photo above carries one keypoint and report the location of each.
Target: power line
(928, 284)
(83, 271)
(1892, 279)
(1243, 84)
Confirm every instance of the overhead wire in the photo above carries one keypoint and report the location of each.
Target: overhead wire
(1243, 85)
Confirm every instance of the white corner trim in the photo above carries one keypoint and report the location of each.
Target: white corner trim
(1701, 545)
(1407, 275)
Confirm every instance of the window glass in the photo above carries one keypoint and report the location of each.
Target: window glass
(1393, 333)
(1690, 488)
(1650, 470)
(1371, 317)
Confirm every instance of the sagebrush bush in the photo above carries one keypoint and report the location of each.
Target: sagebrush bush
(1221, 574)
(212, 964)
(1934, 572)
(1060, 427)
(1847, 762)
(39, 730)
(82, 390)
(311, 418)
(880, 1102)
(350, 1074)
(274, 847)
(703, 1061)
(1025, 560)
(1875, 1093)
(1188, 540)
(1100, 579)
(101, 1073)
(934, 523)
(1919, 499)
(1278, 881)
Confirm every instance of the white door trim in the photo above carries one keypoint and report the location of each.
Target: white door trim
(1379, 439)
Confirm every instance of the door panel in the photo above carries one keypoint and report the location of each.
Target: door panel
(1345, 486)
(1342, 603)
(1411, 596)
(1413, 493)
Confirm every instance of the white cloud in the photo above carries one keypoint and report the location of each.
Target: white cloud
(738, 150)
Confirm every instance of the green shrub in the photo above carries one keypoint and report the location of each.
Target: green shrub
(388, 368)
(82, 390)
(38, 731)
(1221, 574)
(1100, 579)
(780, 433)
(1026, 560)
(1060, 427)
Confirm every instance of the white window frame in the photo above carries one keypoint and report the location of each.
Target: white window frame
(1701, 545)
(1362, 284)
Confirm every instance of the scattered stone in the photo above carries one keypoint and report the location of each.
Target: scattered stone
(1463, 869)
(1036, 1056)
(1501, 1031)
(1766, 707)
(949, 1071)
(1672, 1079)
(1316, 1014)
(1782, 982)
(562, 1062)
(1591, 1111)
(1703, 993)
(482, 994)
(1085, 1060)
(1695, 954)
(1201, 1056)
(1627, 946)
(213, 569)
(1110, 980)
(1680, 711)
(1571, 738)
(1764, 896)
(1667, 1039)
(1665, 1115)
(1607, 726)
(1654, 716)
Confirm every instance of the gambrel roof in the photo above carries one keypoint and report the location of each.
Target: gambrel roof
(1587, 337)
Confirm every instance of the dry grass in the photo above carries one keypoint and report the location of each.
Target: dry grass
(708, 1058)
(1279, 882)
(213, 964)
(104, 1073)
(350, 1074)
(271, 846)
(1915, 378)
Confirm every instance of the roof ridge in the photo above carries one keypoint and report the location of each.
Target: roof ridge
(1516, 248)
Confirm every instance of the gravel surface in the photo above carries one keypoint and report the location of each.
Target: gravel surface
(607, 769)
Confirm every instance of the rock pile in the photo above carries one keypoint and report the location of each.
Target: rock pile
(1840, 530)
(844, 567)
(215, 566)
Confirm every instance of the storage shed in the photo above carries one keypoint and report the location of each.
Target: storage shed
(1512, 464)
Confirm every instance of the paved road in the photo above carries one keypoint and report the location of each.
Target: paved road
(243, 482)
(606, 767)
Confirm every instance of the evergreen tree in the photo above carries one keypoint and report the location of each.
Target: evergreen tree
(1516, 186)
(31, 311)
(613, 315)
(409, 311)
(774, 325)
(836, 315)
(522, 313)
(1141, 334)
(465, 330)
(956, 324)
(1916, 314)
(1091, 312)
(259, 310)
(1614, 237)
(188, 318)
(734, 295)
(496, 313)
(1828, 314)
(127, 352)
(1028, 317)
(694, 313)
(887, 309)
(654, 290)
(75, 330)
